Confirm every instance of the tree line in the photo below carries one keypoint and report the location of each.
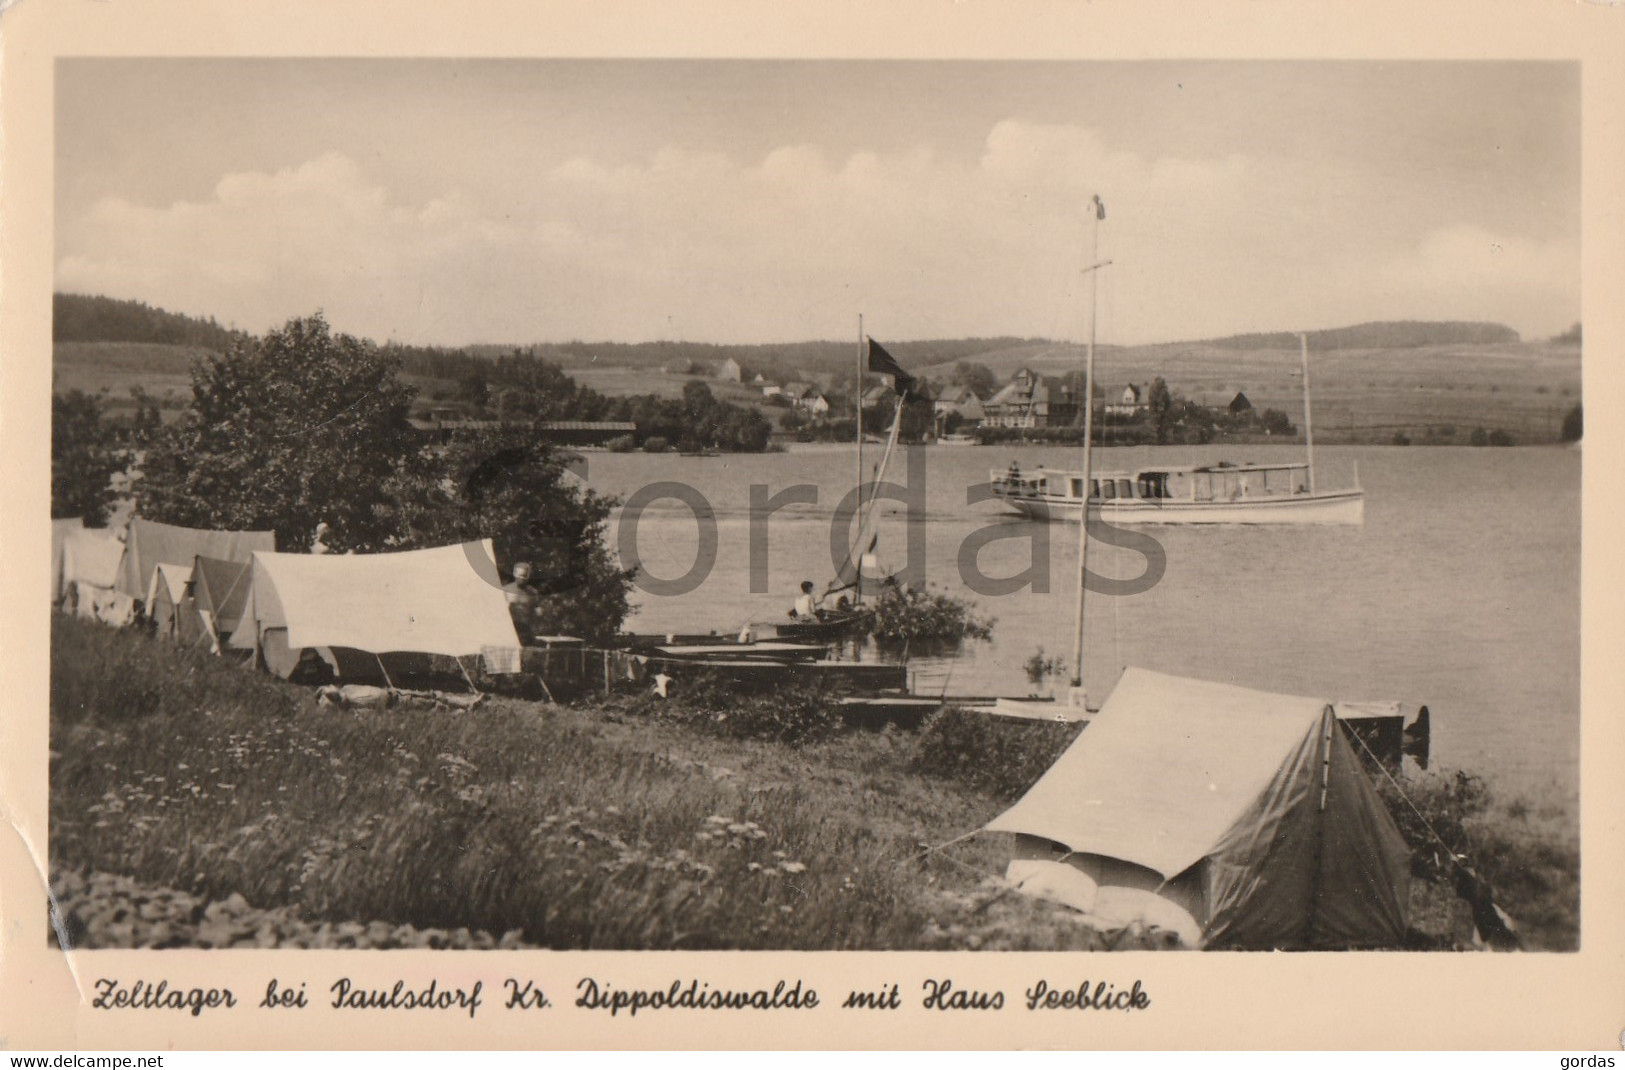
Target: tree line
(306, 433)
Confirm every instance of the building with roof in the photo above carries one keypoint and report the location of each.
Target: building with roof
(1030, 400)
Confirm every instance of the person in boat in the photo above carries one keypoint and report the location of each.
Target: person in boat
(806, 607)
(521, 598)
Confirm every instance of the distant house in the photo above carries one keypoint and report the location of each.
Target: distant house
(771, 390)
(961, 401)
(760, 380)
(796, 391)
(1239, 405)
(1128, 404)
(730, 371)
(816, 404)
(876, 394)
(1031, 400)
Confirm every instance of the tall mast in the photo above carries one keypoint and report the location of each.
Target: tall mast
(857, 590)
(1095, 264)
(1308, 424)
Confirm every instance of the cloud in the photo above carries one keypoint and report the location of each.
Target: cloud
(791, 245)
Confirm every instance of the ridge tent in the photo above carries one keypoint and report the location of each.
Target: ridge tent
(166, 596)
(447, 600)
(60, 530)
(1237, 818)
(219, 596)
(91, 562)
(151, 543)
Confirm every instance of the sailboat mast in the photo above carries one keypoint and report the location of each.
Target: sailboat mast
(1078, 696)
(1308, 424)
(857, 593)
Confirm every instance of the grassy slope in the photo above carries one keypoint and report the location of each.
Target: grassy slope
(571, 827)
(182, 772)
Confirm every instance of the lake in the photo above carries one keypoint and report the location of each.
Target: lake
(1461, 591)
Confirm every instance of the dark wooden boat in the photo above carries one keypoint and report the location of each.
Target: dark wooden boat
(829, 626)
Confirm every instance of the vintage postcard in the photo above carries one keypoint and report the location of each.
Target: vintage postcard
(922, 527)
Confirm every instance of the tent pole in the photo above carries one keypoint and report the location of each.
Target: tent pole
(471, 685)
(387, 681)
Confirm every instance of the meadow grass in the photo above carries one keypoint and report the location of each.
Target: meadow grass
(577, 828)
(627, 824)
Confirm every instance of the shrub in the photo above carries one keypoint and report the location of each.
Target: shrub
(904, 613)
(1535, 873)
(797, 714)
(656, 444)
(621, 444)
(1041, 666)
(998, 755)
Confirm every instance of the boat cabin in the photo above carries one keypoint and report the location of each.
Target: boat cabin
(1197, 483)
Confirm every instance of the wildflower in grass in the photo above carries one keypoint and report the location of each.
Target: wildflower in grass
(793, 867)
(718, 819)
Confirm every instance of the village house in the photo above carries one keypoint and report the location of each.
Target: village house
(962, 402)
(730, 371)
(1128, 405)
(1031, 400)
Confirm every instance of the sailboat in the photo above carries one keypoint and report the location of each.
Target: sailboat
(861, 572)
(1223, 493)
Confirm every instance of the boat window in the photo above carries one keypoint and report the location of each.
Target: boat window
(1077, 488)
(1125, 488)
(1108, 489)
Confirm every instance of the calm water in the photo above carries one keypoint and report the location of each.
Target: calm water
(1461, 591)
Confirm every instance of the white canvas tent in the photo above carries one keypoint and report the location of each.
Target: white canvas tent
(152, 543)
(447, 600)
(1237, 818)
(167, 597)
(60, 530)
(91, 562)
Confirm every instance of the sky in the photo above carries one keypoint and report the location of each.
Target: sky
(451, 202)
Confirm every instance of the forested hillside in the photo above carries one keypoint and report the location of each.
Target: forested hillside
(84, 318)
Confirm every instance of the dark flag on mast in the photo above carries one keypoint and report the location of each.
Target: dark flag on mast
(1100, 208)
(907, 387)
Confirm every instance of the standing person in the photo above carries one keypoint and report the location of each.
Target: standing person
(521, 601)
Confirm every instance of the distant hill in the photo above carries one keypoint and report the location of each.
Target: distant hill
(1391, 334)
(86, 318)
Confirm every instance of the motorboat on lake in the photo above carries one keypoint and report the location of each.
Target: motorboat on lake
(1181, 494)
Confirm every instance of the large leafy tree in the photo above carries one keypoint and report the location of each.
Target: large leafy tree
(84, 458)
(301, 428)
(506, 485)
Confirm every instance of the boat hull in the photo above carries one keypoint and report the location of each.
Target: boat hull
(1329, 507)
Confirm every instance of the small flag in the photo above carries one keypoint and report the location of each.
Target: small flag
(907, 387)
(1100, 208)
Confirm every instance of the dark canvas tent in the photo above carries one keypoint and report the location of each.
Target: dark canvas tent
(219, 595)
(1238, 818)
(150, 543)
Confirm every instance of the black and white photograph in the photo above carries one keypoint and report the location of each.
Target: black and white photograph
(773, 504)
